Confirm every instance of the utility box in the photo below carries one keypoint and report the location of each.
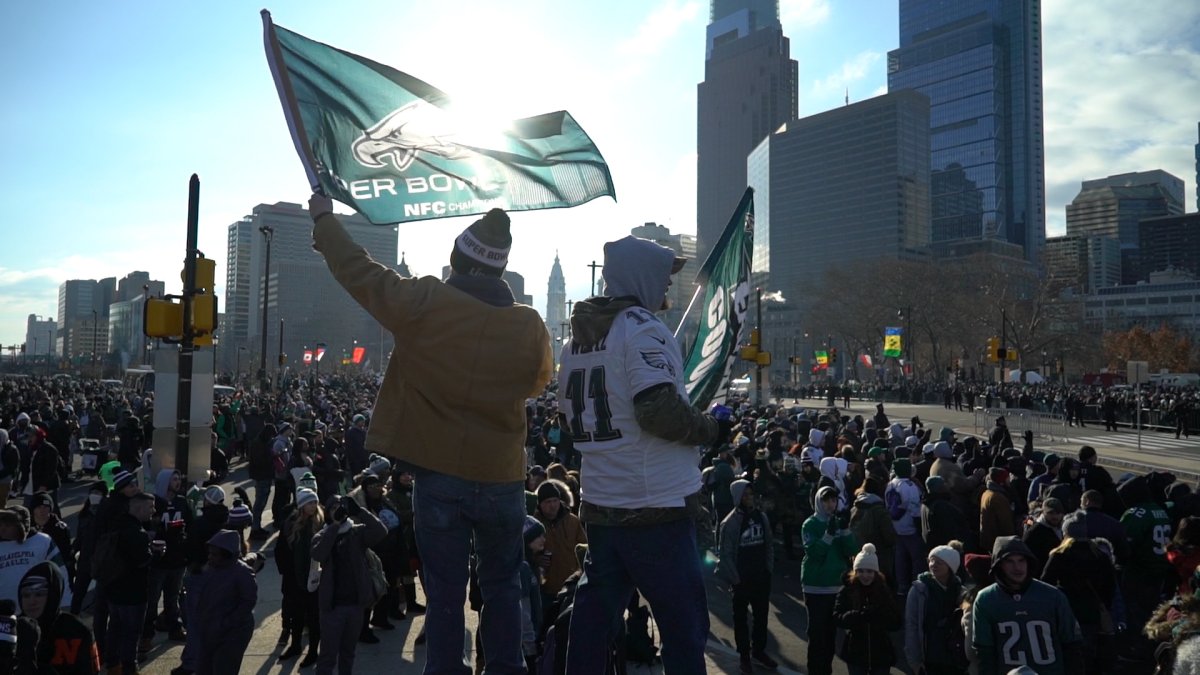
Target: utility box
(166, 403)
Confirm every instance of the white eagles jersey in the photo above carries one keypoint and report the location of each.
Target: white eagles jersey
(624, 466)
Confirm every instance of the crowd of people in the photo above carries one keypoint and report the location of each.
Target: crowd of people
(553, 508)
(951, 554)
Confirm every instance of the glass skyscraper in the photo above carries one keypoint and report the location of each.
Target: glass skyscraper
(980, 64)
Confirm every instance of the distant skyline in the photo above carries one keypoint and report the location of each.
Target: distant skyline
(113, 111)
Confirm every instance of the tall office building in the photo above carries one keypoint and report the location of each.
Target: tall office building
(980, 64)
(749, 90)
(39, 335)
(299, 289)
(851, 183)
(1198, 168)
(683, 284)
(1116, 205)
(82, 310)
(556, 301)
(1169, 242)
(1083, 263)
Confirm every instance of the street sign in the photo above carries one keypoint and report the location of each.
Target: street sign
(1137, 372)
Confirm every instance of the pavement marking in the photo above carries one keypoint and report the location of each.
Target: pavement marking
(1130, 440)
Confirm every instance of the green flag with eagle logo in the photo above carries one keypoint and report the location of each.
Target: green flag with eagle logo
(393, 147)
(724, 290)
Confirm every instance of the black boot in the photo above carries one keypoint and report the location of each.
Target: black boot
(379, 617)
(392, 601)
(368, 636)
(410, 599)
(310, 659)
(296, 648)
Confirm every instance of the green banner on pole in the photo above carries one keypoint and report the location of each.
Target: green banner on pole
(724, 288)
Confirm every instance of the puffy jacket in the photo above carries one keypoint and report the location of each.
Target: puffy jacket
(928, 621)
(871, 523)
(867, 613)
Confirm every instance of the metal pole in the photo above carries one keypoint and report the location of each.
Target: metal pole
(594, 265)
(280, 372)
(183, 409)
(95, 329)
(268, 233)
(1137, 410)
(1003, 345)
(759, 371)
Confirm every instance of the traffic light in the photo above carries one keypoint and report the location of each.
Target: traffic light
(204, 303)
(162, 319)
(993, 349)
(833, 356)
(750, 351)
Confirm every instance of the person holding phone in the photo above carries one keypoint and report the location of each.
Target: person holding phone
(345, 591)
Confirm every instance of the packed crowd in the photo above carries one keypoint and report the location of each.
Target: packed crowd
(952, 554)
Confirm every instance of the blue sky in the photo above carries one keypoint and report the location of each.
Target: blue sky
(110, 111)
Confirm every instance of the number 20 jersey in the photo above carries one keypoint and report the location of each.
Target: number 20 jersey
(624, 466)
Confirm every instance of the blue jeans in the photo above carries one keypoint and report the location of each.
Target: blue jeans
(660, 561)
(449, 514)
(262, 494)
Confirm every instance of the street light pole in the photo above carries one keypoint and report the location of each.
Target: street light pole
(95, 330)
(594, 267)
(268, 233)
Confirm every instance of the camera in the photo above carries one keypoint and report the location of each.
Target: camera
(339, 514)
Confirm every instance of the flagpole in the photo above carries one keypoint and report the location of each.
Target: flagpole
(287, 98)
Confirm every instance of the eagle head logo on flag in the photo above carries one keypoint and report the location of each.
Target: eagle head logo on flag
(397, 138)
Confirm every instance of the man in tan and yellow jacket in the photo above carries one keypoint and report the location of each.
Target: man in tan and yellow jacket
(451, 410)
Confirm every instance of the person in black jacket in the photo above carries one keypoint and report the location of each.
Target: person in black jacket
(44, 520)
(999, 438)
(43, 469)
(10, 463)
(263, 475)
(126, 593)
(85, 544)
(166, 574)
(867, 609)
(941, 520)
(66, 645)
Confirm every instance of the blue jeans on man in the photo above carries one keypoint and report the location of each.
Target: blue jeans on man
(660, 561)
(449, 514)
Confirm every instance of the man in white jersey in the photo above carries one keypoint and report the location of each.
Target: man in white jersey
(622, 391)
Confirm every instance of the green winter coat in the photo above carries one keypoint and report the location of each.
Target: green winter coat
(826, 556)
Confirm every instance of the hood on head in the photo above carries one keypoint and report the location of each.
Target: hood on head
(946, 434)
(896, 431)
(736, 489)
(639, 268)
(816, 438)
(833, 468)
(53, 578)
(1006, 546)
(1134, 491)
(163, 482)
(22, 417)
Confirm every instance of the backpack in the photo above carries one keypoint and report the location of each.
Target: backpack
(106, 558)
(639, 643)
(894, 503)
(379, 582)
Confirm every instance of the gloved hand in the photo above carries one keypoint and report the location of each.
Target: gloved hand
(832, 527)
(724, 432)
(352, 508)
(319, 205)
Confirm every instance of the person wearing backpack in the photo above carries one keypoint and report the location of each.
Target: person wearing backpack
(871, 523)
(746, 562)
(903, 500)
(933, 635)
(346, 588)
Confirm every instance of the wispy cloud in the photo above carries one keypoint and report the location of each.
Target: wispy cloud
(850, 72)
(803, 13)
(662, 25)
(1118, 90)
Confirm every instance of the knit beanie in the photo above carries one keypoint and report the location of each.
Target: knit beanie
(936, 485)
(998, 475)
(902, 468)
(946, 555)
(942, 450)
(533, 529)
(215, 494)
(121, 479)
(482, 249)
(979, 567)
(239, 515)
(305, 496)
(1086, 452)
(866, 558)
(548, 490)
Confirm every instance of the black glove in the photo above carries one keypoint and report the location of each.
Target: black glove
(724, 432)
(352, 507)
(832, 528)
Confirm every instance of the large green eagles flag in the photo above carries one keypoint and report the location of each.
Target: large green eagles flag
(724, 284)
(391, 146)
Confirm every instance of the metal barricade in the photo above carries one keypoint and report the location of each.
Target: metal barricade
(1044, 425)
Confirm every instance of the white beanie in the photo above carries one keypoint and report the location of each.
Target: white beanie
(946, 555)
(305, 496)
(866, 559)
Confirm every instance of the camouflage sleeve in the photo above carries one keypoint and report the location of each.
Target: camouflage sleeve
(661, 411)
